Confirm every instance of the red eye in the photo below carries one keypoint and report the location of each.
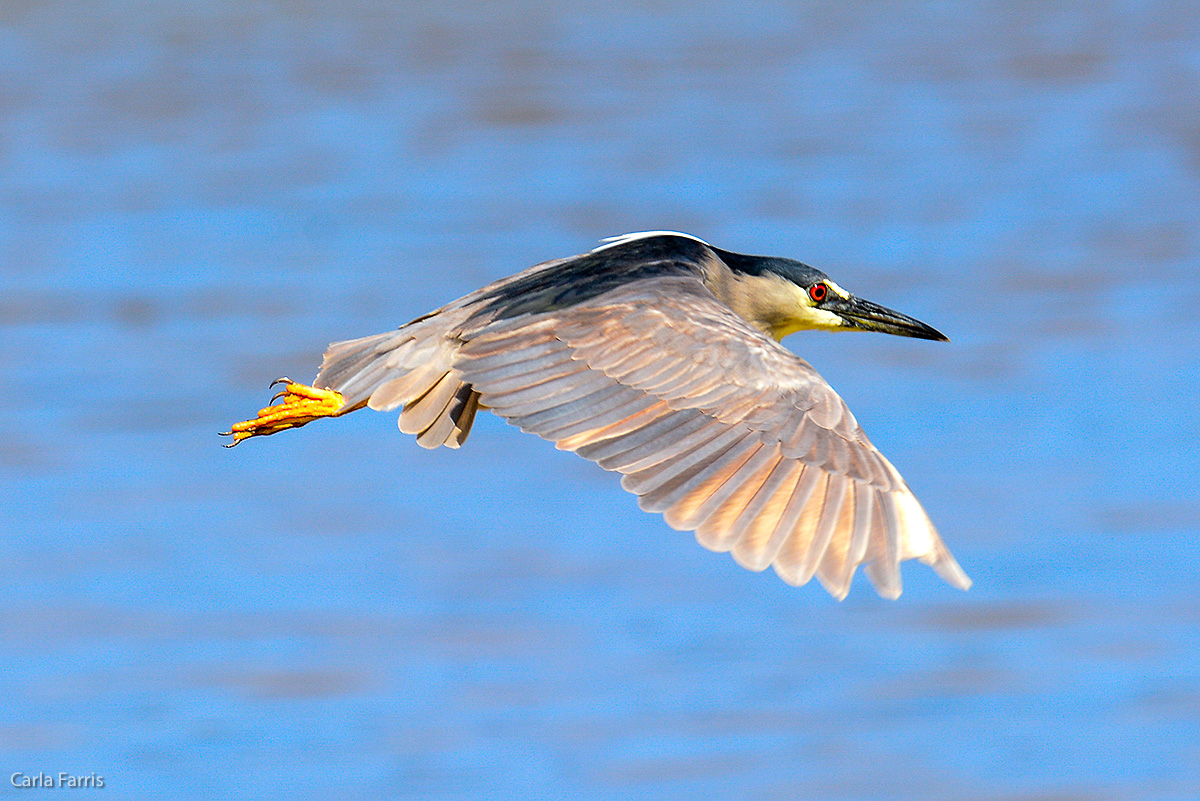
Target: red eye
(818, 292)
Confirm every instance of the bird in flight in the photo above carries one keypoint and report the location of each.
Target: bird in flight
(657, 355)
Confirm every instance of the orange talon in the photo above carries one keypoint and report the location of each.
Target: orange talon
(301, 405)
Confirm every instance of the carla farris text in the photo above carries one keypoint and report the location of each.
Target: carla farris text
(47, 780)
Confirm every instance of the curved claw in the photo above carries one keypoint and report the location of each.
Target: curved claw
(301, 405)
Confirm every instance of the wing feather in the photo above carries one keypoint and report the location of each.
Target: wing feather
(751, 531)
(601, 421)
(407, 387)
(547, 395)
(654, 454)
(529, 373)
(624, 452)
(661, 486)
(718, 532)
(850, 540)
(720, 480)
(883, 563)
(464, 418)
(421, 413)
(798, 560)
(752, 554)
(440, 430)
(536, 419)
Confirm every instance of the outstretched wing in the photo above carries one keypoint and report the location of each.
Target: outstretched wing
(713, 424)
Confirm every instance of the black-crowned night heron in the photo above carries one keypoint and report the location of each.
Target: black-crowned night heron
(658, 356)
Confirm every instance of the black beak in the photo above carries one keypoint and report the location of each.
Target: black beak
(868, 316)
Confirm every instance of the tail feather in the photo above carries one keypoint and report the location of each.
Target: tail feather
(357, 367)
(410, 367)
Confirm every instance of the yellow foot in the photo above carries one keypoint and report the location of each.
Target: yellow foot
(301, 404)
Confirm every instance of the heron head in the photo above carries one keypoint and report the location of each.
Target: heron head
(782, 296)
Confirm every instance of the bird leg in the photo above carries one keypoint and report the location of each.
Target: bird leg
(300, 405)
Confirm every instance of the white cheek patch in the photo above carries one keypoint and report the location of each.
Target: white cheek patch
(812, 317)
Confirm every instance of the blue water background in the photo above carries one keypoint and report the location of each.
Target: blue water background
(195, 198)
